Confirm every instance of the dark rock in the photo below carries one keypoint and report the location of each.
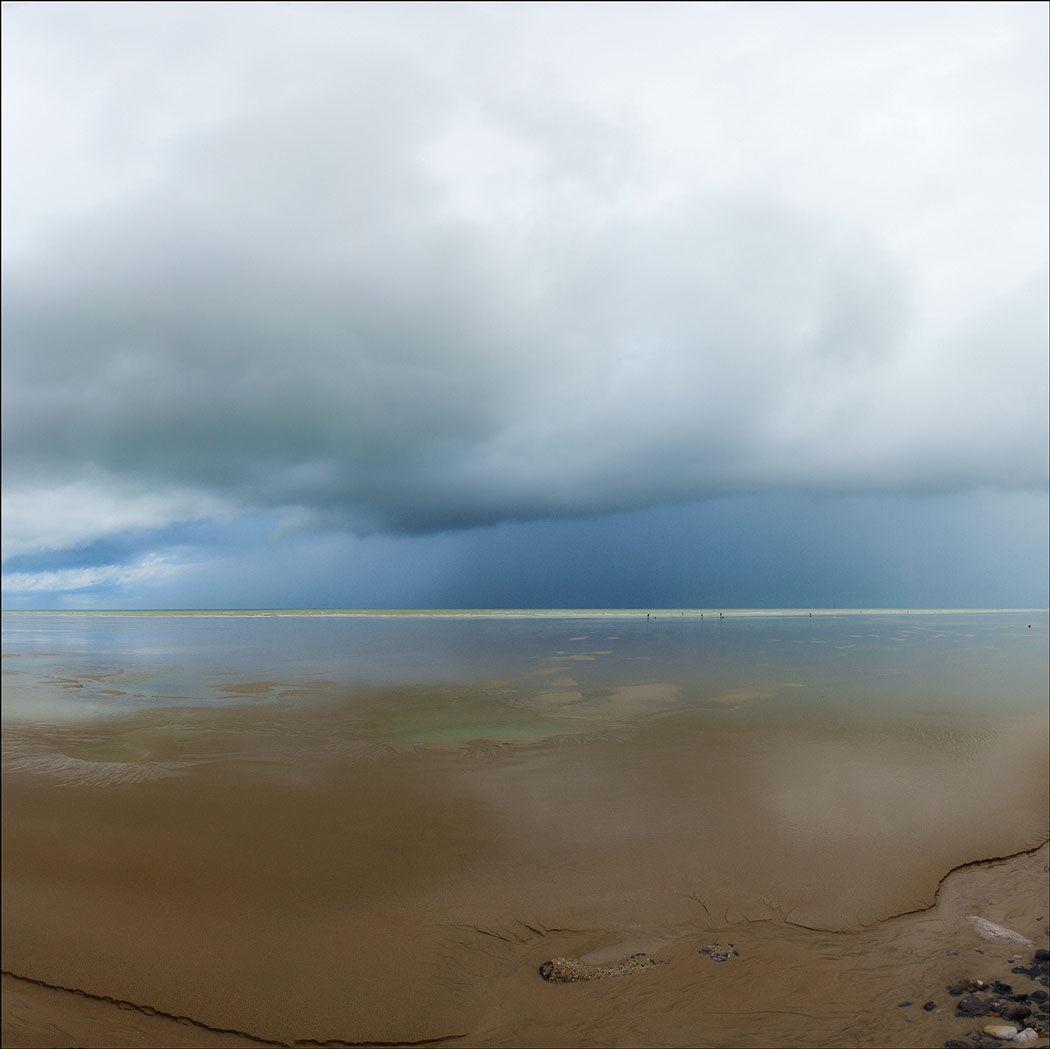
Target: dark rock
(1000, 988)
(1039, 996)
(954, 1043)
(1042, 955)
(719, 952)
(1014, 1011)
(904, 1005)
(929, 1006)
(971, 1005)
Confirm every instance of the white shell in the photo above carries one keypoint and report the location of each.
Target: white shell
(1001, 1031)
(995, 933)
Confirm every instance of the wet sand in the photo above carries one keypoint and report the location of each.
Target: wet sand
(293, 872)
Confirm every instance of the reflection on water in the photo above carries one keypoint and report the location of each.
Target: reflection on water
(529, 676)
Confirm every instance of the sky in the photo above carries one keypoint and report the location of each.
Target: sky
(460, 305)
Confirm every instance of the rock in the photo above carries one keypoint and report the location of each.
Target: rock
(929, 1006)
(904, 1005)
(971, 1005)
(1041, 956)
(719, 952)
(1014, 1011)
(954, 1043)
(965, 987)
(995, 933)
(565, 970)
(1027, 1036)
(1002, 1031)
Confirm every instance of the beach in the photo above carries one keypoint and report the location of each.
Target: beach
(388, 856)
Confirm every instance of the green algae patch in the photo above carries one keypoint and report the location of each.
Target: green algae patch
(450, 718)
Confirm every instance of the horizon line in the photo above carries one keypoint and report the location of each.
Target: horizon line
(527, 611)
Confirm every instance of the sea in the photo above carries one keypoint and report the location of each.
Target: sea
(542, 667)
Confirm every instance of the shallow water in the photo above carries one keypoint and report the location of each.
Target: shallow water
(834, 666)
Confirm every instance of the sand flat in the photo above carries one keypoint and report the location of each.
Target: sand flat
(379, 863)
(395, 895)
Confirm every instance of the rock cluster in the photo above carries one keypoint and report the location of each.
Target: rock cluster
(720, 952)
(1016, 1015)
(565, 970)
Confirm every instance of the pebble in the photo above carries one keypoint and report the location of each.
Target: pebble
(971, 1005)
(1027, 1036)
(1001, 1031)
(929, 1006)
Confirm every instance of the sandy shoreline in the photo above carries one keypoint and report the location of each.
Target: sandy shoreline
(295, 878)
(786, 987)
(384, 846)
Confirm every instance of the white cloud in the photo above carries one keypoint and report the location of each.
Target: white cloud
(42, 517)
(151, 570)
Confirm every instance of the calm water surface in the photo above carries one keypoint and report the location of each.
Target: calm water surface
(866, 665)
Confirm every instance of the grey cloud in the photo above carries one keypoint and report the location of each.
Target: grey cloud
(408, 301)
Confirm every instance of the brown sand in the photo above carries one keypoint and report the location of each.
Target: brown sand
(287, 875)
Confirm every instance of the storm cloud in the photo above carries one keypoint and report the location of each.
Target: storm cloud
(391, 270)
